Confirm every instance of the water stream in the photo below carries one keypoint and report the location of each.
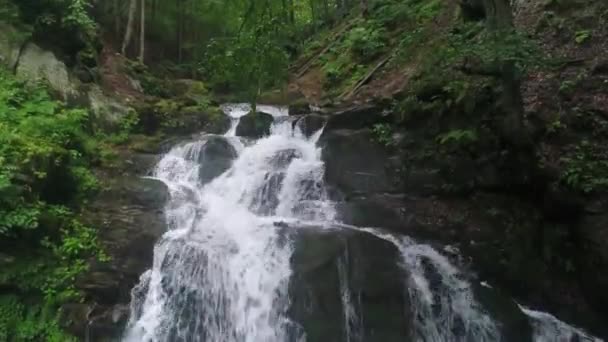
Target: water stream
(222, 272)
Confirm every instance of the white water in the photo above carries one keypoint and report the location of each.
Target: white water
(547, 328)
(221, 273)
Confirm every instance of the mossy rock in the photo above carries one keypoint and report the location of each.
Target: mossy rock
(254, 125)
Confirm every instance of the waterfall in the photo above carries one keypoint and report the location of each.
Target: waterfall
(547, 328)
(222, 271)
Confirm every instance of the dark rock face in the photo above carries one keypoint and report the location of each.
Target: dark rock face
(492, 204)
(130, 219)
(327, 263)
(594, 232)
(299, 108)
(356, 117)
(215, 158)
(354, 164)
(254, 125)
(375, 210)
(311, 123)
(282, 159)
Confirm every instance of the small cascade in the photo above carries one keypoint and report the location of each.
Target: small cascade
(352, 319)
(443, 303)
(547, 328)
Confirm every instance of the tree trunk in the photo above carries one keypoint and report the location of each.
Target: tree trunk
(129, 31)
(364, 8)
(498, 14)
(142, 32)
(117, 16)
(499, 21)
(180, 29)
(292, 13)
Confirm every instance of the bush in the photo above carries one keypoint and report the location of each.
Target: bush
(366, 43)
(44, 156)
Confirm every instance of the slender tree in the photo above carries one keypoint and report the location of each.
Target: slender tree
(364, 8)
(499, 21)
(142, 32)
(129, 30)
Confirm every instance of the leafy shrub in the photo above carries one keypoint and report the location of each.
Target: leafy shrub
(394, 13)
(366, 43)
(458, 137)
(580, 37)
(586, 169)
(383, 134)
(44, 155)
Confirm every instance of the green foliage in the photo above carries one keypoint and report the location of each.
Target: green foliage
(586, 168)
(44, 156)
(493, 48)
(567, 87)
(580, 37)
(21, 323)
(9, 12)
(395, 13)
(67, 15)
(249, 63)
(458, 137)
(346, 62)
(555, 126)
(383, 134)
(366, 42)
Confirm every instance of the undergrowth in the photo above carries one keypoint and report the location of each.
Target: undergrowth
(45, 157)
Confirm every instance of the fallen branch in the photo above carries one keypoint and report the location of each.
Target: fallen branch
(367, 77)
(334, 40)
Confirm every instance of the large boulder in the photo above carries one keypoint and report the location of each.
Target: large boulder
(215, 158)
(129, 217)
(38, 64)
(342, 273)
(11, 42)
(254, 125)
(356, 117)
(354, 163)
(311, 123)
(107, 112)
(376, 210)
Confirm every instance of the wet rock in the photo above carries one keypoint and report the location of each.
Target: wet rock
(329, 264)
(311, 123)
(594, 232)
(514, 324)
(141, 164)
(357, 117)
(282, 159)
(215, 158)
(354, 163)
(195, 120)
(254, 125)
(299, 107)
(377, 210)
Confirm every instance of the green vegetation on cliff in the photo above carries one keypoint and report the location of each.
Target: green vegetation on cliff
(45, 155)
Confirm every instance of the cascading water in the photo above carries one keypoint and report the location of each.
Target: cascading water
(222, 272)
